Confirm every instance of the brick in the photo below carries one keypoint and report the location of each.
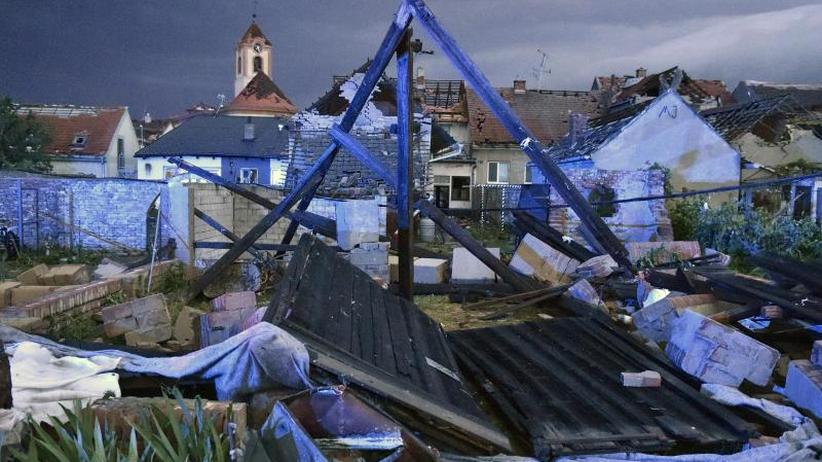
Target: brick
(24, 294)
(136, 315)
(465, 267)
(641, 379)
(185, 324)
(430, 270)
(32, 275)
(536, 258)
(80, 299)
(655, 321)
(233, 301)
(803, 385)
(5, 292)
(716, 353)
(155, 334)
(62, 275)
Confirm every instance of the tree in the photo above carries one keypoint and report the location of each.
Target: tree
(22, 139)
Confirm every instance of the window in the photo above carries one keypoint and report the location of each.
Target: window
(498, 172)
(442, 179)
(528, 173)
(460, 188)
(80, 139)
(121, 155)
(258, 64)
(147, 168)
(239, 64)
(248, 175)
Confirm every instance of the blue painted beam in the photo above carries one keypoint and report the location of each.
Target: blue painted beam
(363, 155)
(405, 167)
(528, 143)
(316, 174)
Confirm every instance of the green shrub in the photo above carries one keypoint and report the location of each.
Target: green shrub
(684, 215)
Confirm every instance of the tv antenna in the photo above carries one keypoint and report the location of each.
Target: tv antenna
(541, 72)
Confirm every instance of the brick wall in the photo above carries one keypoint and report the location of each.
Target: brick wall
(632, 221)
(114, 208)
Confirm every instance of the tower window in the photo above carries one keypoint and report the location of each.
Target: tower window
(258, 64)
(239, 64)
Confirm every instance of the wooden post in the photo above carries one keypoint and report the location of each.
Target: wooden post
(405, 166)
(20, 212)
(528, 143)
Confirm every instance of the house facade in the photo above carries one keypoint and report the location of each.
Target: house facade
(88, 141)
(242, 150)
(664, 133)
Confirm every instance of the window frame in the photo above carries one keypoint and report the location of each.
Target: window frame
(256, 176)
(455, 189)
(498, 163)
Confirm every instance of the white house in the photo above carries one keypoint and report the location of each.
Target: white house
(85, 140)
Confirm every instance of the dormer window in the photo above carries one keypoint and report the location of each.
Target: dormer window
(80, 139)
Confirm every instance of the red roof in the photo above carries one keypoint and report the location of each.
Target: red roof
(612, 83)
(262, 96)
(68, 125)
(544, 112)
(252, 33)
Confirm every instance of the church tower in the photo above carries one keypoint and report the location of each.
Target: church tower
(252, 55)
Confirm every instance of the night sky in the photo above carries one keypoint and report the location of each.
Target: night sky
(162, 56)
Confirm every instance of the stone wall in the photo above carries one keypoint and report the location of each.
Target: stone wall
(632, 221)
(56, 210)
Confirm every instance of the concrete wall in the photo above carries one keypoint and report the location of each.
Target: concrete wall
(670, 134)
(116, 209)
(79, 165)
(235, 213)
(125, 131)
(632, 221)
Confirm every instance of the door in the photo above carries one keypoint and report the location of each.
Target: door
(441, 195)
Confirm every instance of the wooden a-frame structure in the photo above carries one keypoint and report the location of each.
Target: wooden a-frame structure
(397, 42)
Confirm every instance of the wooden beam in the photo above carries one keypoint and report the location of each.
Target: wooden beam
(224, 231)
(363, 155)
(309, 182)
(228, 245)
(545, 233)
(463, 237)
(528, 143)
(405, 166)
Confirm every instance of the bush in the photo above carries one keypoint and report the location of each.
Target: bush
(684, 216)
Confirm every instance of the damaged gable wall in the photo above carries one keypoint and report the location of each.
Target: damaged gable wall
(632, 221)
(669, 133)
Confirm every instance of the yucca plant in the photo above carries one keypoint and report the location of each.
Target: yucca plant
(192, 438)
(79, 438)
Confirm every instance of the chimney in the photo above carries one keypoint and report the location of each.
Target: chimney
(419, 83)
(577, 123)
(248, 130)
(519, 87)
(642, 73)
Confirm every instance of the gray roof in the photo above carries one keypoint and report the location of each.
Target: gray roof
(599, 131)
(223, 136)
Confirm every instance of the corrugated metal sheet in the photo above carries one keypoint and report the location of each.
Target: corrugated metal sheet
(557, 383)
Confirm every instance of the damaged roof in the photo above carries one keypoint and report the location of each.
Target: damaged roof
(558, 384)
(733, 121)
(544, 112)
(698, 91)
(263, 96)
(223, 136)
(377, 340)
(809, 96)
(76, 130)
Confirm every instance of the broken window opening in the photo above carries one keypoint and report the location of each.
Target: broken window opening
(460, 188)
(600, 198)
(498, 172)
(248, 175)
(258, 64)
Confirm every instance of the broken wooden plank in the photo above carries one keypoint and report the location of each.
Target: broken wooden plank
(553, 293)
(542, 231)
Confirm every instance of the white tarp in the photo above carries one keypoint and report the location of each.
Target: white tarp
(251, 361)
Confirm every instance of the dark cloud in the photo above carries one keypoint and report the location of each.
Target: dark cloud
(163, 56)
